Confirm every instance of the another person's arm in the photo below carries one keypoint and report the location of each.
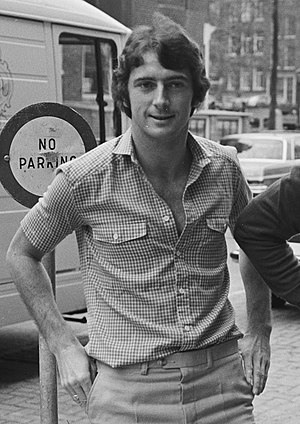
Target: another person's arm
(255, 345)
(263, 229)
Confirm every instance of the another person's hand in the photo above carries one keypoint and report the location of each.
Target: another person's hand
(256, 353)
(77, 372)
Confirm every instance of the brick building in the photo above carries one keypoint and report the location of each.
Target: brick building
(240, 47)
(241, 51)
(189, 13)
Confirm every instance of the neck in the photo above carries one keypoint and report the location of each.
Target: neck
(165, 158)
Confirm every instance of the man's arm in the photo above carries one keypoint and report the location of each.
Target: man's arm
(256, 342)
(34, 286)
(263, 229)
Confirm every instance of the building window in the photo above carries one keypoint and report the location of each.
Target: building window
(245, 11)
(290, 25)
(233, 45)
(230, 82)
(258, 10)
(259, 80)
(290, 89)
(233, 12)
(245, 80)
(259, 43)
(246, 45)
(289, 54)
(286, 89)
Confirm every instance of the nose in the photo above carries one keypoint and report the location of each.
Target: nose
(161, 100)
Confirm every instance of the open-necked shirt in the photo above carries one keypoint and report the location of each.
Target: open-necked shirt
(149, 291)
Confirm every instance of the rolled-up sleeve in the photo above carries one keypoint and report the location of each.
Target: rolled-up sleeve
(54, 216)
(263, 229)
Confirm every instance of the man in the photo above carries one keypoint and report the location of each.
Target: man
(150, 210)
(263, 229)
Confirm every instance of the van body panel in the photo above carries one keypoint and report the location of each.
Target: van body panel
(26, 57)
(34, 59)
(68, 12)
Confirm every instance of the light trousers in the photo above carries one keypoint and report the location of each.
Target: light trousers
(206, 386)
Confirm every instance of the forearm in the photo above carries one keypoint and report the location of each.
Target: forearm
(34, 286)
(258, 298)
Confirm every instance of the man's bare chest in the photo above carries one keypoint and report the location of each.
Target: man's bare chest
(172, 193)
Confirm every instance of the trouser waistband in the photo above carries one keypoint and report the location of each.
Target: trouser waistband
(187, 358)
(200, 356)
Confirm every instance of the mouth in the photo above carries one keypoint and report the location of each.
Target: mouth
(161, 117)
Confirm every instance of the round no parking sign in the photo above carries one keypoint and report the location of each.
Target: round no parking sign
(35, 142)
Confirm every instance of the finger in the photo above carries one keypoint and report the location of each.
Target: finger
(78, 388)
(86, 385)
(260, 376)
(248, 369)
(80, 396)
(259, 382)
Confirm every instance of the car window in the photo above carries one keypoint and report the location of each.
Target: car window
(258, 148)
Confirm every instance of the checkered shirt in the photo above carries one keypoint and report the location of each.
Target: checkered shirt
(149, 292)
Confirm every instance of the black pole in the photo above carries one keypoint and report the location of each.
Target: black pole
(273, 83)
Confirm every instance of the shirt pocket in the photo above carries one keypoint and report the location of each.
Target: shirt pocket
(118, 249)
(211, 242)
(119, 233)
(217, 223)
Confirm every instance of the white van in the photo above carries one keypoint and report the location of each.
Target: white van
(54, 51)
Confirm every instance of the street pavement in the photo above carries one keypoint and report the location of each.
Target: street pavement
(19, 382)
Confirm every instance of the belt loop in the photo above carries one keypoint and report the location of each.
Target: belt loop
(144, 368)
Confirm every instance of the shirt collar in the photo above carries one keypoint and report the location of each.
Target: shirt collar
(125, 145)
(199, 151)
(201, 155)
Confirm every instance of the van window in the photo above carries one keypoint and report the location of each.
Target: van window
(227, 126)
(87, 66)
(297, 147)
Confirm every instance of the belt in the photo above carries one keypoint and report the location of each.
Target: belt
(199, 356)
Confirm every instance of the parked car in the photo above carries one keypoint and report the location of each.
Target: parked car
(264, 158)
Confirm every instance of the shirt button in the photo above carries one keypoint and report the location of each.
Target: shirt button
(166, 218)
(181, 291)
(115, 236)
(187, 328)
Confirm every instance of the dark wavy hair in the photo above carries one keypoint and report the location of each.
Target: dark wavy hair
(175, 50)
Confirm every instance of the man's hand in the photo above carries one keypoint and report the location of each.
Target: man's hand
(256, 344)
(256, 352)
(77, 372)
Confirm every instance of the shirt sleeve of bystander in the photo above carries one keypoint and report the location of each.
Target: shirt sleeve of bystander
(263, 229)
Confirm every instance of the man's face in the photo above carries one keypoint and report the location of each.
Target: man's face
(160, 100)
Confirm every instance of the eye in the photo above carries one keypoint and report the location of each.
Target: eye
(176, 85)
(146, 85)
